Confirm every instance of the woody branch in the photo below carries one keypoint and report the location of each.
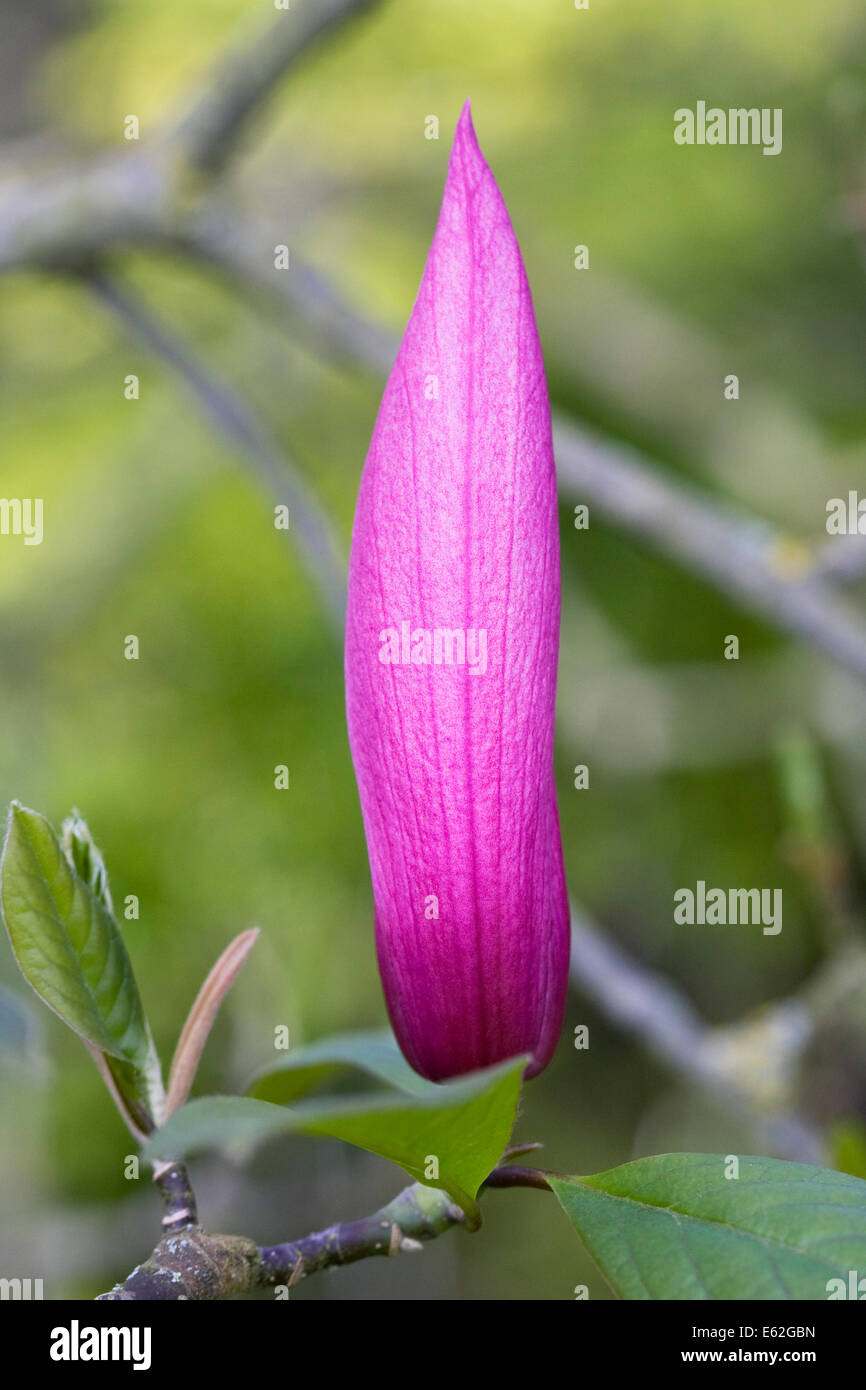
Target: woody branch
(191, 1264)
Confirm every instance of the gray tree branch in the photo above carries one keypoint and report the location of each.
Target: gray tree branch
(753, 571)
(233, 419)
(241, 83)
(748, 1066)
(142, 195)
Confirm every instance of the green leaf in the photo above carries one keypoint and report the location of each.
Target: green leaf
(674, 1227)
(374, 1053)
(465, 1125)
(70, 950)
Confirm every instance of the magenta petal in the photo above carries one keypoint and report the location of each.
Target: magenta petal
(456, 530)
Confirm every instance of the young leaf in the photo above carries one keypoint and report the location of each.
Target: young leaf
(449, 1136)
(70, 950)
(680, 1226)
(373, 1053)
(202, 1016)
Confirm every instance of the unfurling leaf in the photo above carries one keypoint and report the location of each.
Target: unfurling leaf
(70, 950)
(85, 857)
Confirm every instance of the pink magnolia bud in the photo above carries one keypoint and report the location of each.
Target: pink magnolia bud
(451, 650)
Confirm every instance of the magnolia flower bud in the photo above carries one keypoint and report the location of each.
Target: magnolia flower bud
(451, 652)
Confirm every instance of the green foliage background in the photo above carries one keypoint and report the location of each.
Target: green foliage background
(703, 262)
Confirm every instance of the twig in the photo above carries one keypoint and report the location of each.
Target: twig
(417, 1214)
(196, 1265)
(516, 1176)
(175, 1188)
(229, 413)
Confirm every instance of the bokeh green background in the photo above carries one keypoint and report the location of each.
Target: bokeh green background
(702, 262)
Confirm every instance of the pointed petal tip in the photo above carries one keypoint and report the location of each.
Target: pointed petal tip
(466, 154)
(465, 130)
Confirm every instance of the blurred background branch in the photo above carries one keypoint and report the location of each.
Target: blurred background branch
(231, 417)
(240, 85)
(749, 1065)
